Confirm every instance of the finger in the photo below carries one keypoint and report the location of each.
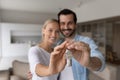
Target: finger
(76, 45)
(59, 51)
(82, 48)
(69, 42)
(84, 44)
(71, 45)
(62, 46)
(63, 52)
(55, 52)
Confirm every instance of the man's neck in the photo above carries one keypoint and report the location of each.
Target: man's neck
(71, 37)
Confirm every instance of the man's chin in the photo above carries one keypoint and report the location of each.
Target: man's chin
(66, 36)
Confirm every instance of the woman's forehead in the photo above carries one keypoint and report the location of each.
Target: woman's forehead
(52, 25)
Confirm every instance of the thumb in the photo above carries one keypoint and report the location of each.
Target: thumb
(61, 46)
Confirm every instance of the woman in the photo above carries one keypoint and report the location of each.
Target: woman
(46, 62)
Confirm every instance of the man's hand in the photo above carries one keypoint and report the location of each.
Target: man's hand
(80, 51)
(29, 75)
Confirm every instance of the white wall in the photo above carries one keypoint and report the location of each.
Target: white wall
(18, 51)
(98, 9)
(0, 38)
(12, 50)
(0, 42)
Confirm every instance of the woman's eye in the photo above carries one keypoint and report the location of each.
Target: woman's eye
(57, 31)
(50, 30)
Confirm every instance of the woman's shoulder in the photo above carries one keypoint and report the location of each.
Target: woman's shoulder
(34, 48)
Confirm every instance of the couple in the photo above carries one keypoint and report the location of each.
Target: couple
(48, 63)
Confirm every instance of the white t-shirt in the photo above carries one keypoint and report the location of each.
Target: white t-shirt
(67, 74)
(39, 55)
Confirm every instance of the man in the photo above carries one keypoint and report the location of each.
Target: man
(86, 55)
(84, 50)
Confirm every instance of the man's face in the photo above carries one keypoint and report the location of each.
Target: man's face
(67, 25)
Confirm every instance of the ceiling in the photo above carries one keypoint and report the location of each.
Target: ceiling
(34, 11)
(46, 6)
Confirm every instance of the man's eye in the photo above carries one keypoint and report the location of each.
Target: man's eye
(61, 23)
(70, 22)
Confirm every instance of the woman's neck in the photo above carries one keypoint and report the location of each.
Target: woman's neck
(46, 47)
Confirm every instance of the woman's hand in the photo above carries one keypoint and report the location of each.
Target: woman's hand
(57, 59)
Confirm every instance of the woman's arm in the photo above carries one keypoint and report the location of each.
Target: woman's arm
(42, 70)
(57, 62)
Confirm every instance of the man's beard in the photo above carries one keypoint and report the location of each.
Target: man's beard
(66, 36)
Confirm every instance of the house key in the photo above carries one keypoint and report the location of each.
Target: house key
(69, 58)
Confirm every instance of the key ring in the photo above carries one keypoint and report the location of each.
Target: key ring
(69, 58)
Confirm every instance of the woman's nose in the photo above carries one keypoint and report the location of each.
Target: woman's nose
(53, 34)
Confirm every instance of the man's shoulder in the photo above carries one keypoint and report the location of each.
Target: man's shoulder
(81, 37)
(61, 40)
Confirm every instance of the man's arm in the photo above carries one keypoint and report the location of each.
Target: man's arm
(82, 53)
(94, 64)
(29, 76)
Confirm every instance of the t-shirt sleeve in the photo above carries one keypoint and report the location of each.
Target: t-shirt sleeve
(33, 58)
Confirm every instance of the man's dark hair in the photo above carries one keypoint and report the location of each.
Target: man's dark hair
(66, 12)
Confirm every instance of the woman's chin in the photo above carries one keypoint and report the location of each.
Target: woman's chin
(53, 42)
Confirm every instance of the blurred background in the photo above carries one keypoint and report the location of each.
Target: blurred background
(21, 22)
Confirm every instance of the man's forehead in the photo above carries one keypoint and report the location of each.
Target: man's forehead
(66, 15)
(66, 18)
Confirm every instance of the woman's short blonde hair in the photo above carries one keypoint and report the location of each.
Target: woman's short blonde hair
(49, 21)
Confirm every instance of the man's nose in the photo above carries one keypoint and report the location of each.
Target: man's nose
(66, 26)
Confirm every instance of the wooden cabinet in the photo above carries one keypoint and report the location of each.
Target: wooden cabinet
(96, 31)
(116, 38)
(106, 34)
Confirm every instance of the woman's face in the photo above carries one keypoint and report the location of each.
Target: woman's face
(51, 32)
